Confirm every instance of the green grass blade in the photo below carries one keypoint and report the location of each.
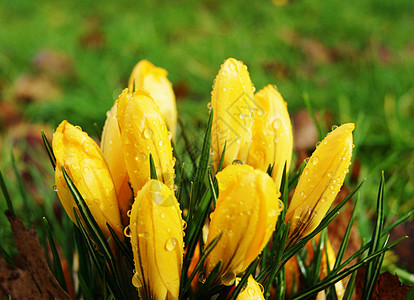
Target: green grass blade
(56, 259)
(6, 194)
(153, 170)
(49, 150)
(345, 239)
(200, 263)
(249, 271)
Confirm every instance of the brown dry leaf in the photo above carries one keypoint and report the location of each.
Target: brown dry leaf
(9, 114)
(93, 37)
(305, 133)
(316, 51)
(41, 88)
(33, 280)
(52, 62)
(387, 287)
(336, 229)
(405, 249)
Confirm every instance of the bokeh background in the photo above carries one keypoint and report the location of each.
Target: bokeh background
(353, 60)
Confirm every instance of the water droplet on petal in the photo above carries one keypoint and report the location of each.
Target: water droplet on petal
(202, 277)
(147, 133)
(315, 160)
(129, 213)
(135, 281)
(78, 128)
(276, 124)
(161, 142)
(334, 127)
(250, 291)
(228, 279)
(171, 243)
(169, 135)
(127, 231)
(237, 162)
(54, 188)
(242, 116)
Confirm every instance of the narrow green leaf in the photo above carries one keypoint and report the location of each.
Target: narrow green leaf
(56, 259)
(242, 283)
(28, 207)
(87, 293)
(121, 246)
(200, 263)
(153, 170)
(350, 287)
(332, 279)
(49, 150)
(345, 238)
(6, 194)
(203, 162)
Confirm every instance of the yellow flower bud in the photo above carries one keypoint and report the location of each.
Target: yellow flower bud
(156, 230)
(154, 80)
(247, 209)
(111, 146)
(252, 291)
(272, 139)
(320, 182)
(233, 104)
(83, 161)
(143, 131)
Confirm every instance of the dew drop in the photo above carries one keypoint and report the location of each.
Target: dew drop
(229, 278)
(169, 135)
(276, 124)
(250, 291)
(202, 278)
(306, 160)
(147, 133)
(162, 215)
(303, 195)
(129, 213)
(334, 127)
(281, 205)
(324, 199)
(331, 174)
(135, 281)
(54, 188)
(317, 144)
(127, 231)
(315, 160)
(209, 105)
(161, 142)
(237, 162)
(171, 243)
(242, 116)
(78, 128)
(184, 225)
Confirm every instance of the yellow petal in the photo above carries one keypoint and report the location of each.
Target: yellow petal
(143, 131)
(157, 242)
(320, 182)
(111, 146)
(83, 160)
(246, 212)
(272, 139)
(154, 80)
(252, 291)
(233, 104)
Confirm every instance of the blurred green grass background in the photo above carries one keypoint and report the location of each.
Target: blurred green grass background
(354, 59)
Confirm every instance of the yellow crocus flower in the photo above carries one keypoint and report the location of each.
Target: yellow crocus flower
(247, 209)
(320, 182)
(143, 131)
(272, 139)
(233, 104)
(85, 164)
(154, 80)
(156, 230)
(252, 291)
(111, 146)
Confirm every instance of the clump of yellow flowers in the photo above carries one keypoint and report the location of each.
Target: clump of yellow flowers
(129, 184)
